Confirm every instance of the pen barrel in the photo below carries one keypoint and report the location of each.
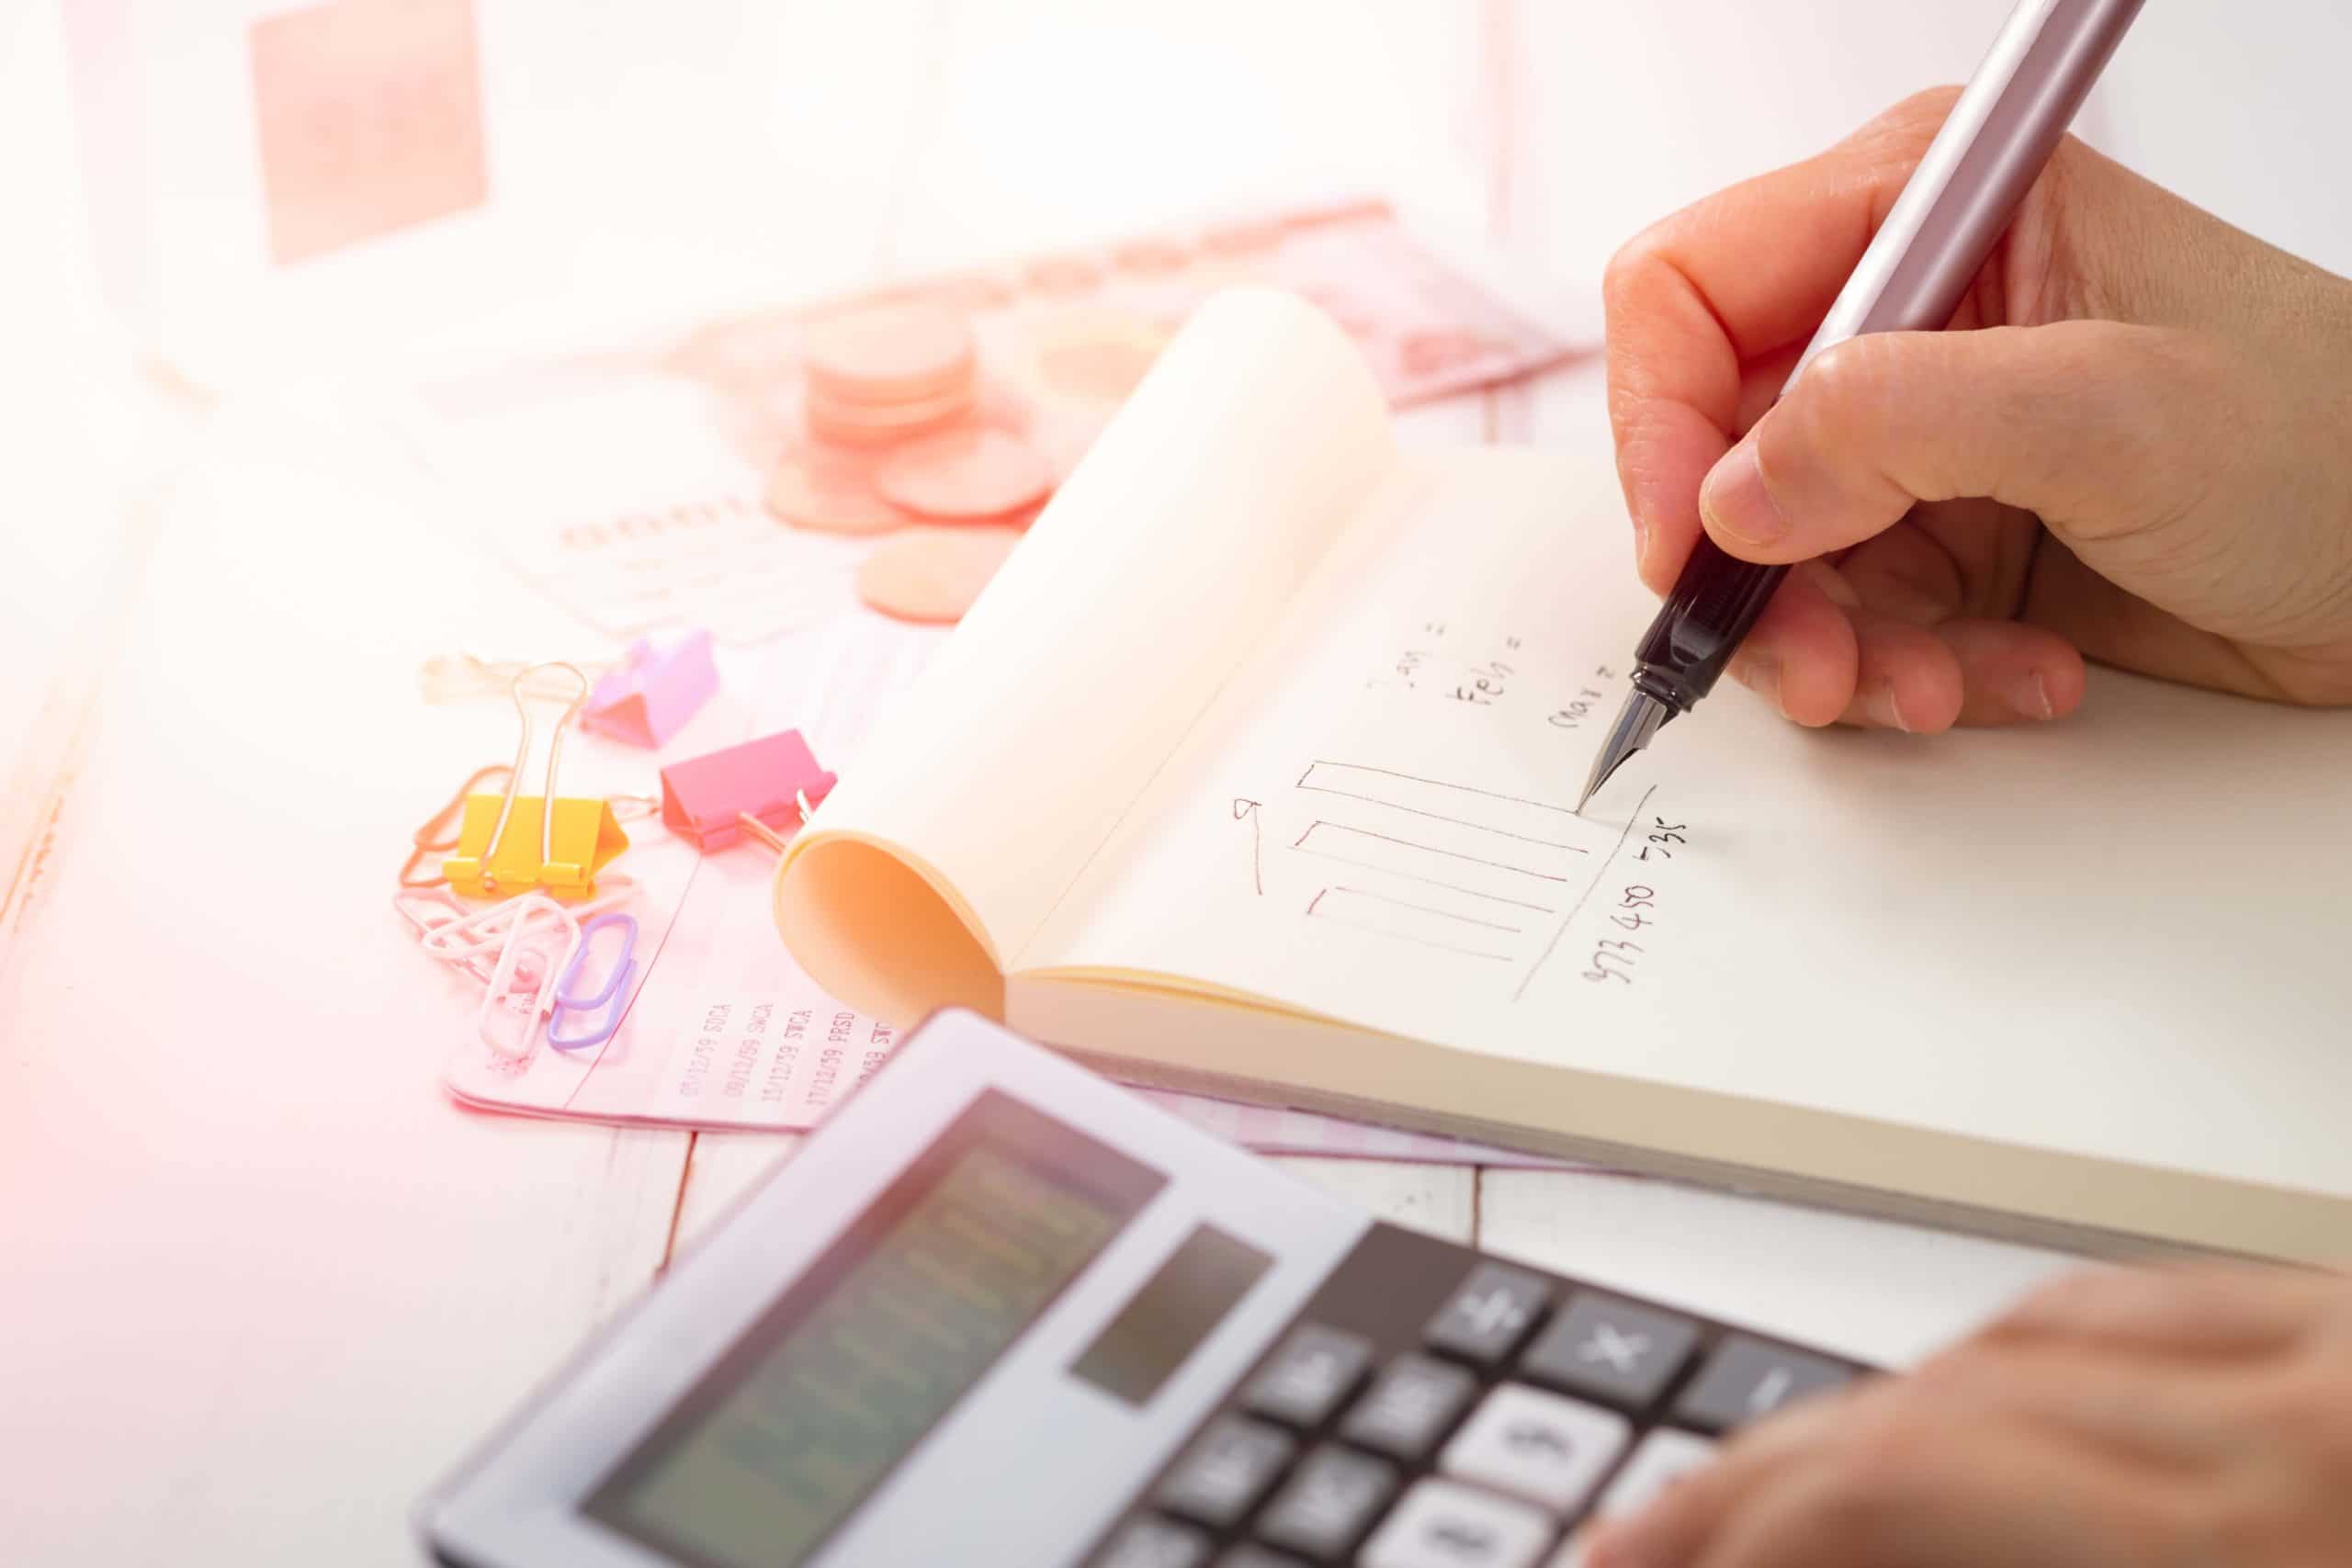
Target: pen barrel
(1704, 619)
(1991, 148)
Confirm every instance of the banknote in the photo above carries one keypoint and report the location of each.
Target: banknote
(629, 486)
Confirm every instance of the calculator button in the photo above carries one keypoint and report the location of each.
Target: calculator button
(1440, 1525)
(1536, 1445)
(1490, 1314)
(1664, 1458)
(1409, 1406)
(1315, 1368)
(1249, 1555)
(1226, 1471)
(1328, 1505)
(1747, 1379)
(1609, 1349)
(1154, 1543)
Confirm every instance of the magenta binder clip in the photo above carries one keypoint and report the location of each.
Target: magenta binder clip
(760, 787)
(655, 692)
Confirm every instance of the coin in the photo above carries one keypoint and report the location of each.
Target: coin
(932, 574)
(812, 488)
(905, 354)
(874, 424)
(965, 473)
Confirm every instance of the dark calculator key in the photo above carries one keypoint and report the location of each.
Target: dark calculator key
(1154, 1543)
(1440, 1525)
(1409, 1407)
(1249, 1555)
(1611, 1350)
(1488, 1315)
(1228, 1468)
(1747, 1379)
(1314, 1371)
(1326, 1507)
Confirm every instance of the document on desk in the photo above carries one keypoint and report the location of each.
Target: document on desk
(1255, 768)
(627, 487)
(724, 1029)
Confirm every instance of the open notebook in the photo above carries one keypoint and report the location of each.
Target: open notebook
(1252, 772)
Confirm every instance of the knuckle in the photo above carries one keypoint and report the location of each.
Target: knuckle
(1843, 381)
(1633, 268)
(1838, 406)
(1905, 129)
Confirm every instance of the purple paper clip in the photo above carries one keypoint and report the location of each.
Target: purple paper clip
(611, 995)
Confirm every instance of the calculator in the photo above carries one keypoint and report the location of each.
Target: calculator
(999, 1311)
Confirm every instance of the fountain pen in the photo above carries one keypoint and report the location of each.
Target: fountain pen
(1993, 144)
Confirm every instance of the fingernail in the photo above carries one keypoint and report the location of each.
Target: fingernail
(1735, 501)
(1883, 708)
(2030, 697)
(1641, 543)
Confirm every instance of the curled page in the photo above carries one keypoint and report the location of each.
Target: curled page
(1165, 559)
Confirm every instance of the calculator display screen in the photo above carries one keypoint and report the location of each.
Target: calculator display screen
(860, 1355)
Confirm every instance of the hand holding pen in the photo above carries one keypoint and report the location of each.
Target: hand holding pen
(2135, 445)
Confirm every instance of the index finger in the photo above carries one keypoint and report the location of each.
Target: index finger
(1744, 276)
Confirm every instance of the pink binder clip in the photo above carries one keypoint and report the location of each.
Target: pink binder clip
(653, 695)
(757, 788)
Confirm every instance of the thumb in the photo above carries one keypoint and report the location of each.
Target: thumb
(2080, 421)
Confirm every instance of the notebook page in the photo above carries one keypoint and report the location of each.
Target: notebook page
(1165, 558)
(2118, 935)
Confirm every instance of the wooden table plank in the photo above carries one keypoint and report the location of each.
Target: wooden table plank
(1442, 1199)
(254, 1261)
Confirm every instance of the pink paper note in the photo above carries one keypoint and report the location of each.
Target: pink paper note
(654, 692)
(371, 120)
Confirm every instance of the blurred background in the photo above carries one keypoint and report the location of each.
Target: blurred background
(551, 176)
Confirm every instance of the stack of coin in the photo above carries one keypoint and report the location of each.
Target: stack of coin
(878, 378)
(901, 431)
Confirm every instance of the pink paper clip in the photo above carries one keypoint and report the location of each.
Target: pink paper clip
(653, 695)
(540, 914)
(758, 788)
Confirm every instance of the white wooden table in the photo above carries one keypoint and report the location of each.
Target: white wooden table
(260, 1281)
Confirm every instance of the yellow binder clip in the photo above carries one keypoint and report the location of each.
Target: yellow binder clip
(515, 843)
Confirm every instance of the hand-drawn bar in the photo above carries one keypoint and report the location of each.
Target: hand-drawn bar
(1507, 816)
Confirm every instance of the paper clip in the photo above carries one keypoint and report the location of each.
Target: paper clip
(436, 834)
(482, 931)
(501, 996)
(654, 693)
(430, 909)
(576, 836)
(612, 995)
(757, 788)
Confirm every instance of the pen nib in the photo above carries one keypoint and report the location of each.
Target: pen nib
(1636, 722)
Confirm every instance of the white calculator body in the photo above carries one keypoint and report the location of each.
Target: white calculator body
(999, 1312)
